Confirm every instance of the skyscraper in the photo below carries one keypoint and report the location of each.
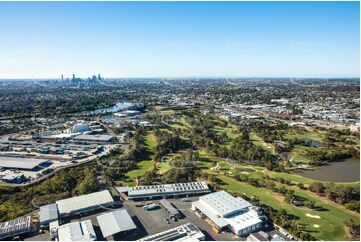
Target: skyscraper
(99, 78)
(62, 77)
(73, 77)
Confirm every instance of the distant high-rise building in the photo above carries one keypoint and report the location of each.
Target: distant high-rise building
(73, 76)
(62, 77)
(99, 78)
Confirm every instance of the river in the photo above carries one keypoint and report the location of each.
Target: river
(119, 106)
(343, 171)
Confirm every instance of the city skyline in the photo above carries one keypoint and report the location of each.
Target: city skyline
(179, 39)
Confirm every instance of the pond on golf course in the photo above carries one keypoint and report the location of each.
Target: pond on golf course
(343, 171)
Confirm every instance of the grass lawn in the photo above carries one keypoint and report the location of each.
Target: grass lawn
(331, 219)
(150, 141)
(298, 154)
(304, 135)
(256, 140)
(230, 131)
(205, 164)
(330, 222)
(164, 167)
(145, 165)
(142, 167)
(205, 153)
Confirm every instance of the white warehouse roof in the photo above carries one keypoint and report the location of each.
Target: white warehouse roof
(96, 137)
(74, 204)
(244, 220)
(223, 204)
(225, 210)
(48, 213)
(76, 231)
(20, 163)
(115, 222)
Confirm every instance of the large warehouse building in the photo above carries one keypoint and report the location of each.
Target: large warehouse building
(22, 163)
(48, 213)
(77, 231)
(167, 190)
(228, 212)
(96, 138)
(113, 223)
(84, 203)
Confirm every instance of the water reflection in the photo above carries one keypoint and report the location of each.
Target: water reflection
(119, 106)
(344, 171)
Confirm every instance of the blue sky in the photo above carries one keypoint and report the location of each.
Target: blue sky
(169, 39)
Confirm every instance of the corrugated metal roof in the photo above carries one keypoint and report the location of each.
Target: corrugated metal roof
(115, 222)
(11, 176)
(243, 221)
(69, 205)
(122, 189)
(76, 231)
(97, 137)
(49, 213)
(188, 187)
(223, 203)
(20, 163)
(219, 221)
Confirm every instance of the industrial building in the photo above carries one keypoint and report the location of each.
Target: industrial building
(174, 214)
(80, 127)
(227, 212)
(259, 236)
(115, 222)
(48, 213)
(77, 231)
(16, 227)
(97, 138)
(13, 178)
(22, 163)
(263, 236)
(167, 190)
(84, 203)
(185, 232)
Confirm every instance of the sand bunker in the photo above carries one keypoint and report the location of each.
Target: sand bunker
(312, 216)
(316, 226)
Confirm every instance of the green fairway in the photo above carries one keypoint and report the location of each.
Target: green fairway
(330, 222)
(150, 141)
(297, 134)
(145, 165)
(230, 131)
(142, 167)
(256, 140)
(163, 167)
